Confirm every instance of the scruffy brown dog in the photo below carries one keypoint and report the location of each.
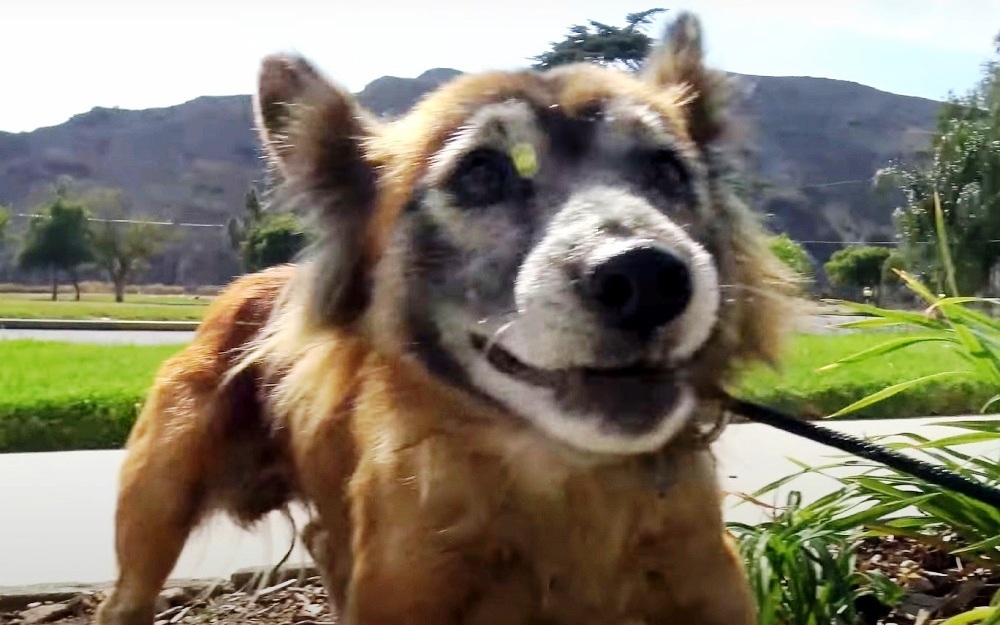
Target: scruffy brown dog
(488, 380)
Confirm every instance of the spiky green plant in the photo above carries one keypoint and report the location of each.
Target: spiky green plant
(802, 564)
(787, 572)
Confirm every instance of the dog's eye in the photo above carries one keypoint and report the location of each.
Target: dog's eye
(666, 172)
(483, 177)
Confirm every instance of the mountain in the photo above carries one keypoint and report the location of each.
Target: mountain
(818, 142)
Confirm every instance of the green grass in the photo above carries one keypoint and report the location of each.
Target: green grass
(62, 396)
(74, 396)
(802, 390)
(101, 306)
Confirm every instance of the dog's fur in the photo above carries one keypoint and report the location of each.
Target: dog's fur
(475, 442)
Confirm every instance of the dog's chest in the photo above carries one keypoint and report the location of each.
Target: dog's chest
(564, 542)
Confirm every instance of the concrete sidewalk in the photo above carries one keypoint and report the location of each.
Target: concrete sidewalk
(56, 509)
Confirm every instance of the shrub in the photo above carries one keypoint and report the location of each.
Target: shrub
(96, 421)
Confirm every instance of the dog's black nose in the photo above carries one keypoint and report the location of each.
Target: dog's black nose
(640, 289)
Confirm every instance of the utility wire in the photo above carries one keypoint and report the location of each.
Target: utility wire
(807, 186)
(872, 242)
(134, 221)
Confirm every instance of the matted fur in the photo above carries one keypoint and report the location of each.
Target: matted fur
(346, 381)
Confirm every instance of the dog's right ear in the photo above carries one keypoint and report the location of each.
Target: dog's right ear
(314, 135)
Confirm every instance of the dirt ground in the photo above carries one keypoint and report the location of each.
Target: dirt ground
(296, 601)
(937, 586)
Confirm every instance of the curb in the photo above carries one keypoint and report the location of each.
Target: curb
(97, 324)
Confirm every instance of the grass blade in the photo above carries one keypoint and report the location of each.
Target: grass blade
(888, 392)
(884, 348)
(915, 286)
(943, 248)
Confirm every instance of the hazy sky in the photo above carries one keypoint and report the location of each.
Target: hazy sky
(60, 58)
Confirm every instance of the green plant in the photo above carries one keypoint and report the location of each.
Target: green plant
(265, 238)
(793, 254)
(4, 222)
(962, 172)
(960, 321)
(802, 564)
(950, 521)
(874, 500)
(857, 266)
(276, 239)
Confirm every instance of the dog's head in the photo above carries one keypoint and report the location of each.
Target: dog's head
(563, 243)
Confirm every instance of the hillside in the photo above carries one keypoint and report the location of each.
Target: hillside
(193, 162)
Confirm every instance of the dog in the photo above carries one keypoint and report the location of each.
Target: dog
(489, 380)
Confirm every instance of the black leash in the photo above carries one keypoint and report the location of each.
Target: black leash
(864, 449)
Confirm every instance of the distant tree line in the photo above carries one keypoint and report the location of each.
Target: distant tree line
(98, 228)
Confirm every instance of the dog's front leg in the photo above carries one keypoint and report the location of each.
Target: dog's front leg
(159, 502)
(331, 553)
(405, 571)
(401, 582)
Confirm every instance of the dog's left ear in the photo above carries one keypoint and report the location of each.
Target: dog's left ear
(679, 61)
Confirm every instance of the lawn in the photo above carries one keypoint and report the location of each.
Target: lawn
(802, 390)
(60, 396)
(77, 396)
(101, 306)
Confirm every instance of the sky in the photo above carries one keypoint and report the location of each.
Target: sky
(64, 57)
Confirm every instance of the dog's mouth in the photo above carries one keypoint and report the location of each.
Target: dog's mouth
(631, 400)
(510, 365)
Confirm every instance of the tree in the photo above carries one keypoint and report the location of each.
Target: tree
(963, 168)
(264, 238)
(4, 221)
(893, 263)
(122, 244)
(625, 46)
(276, 239)
(239, 228)
(792, 254)
(58, 239)
(857, 266)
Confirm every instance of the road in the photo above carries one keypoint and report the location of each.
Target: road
(817, 324)
(56, 524)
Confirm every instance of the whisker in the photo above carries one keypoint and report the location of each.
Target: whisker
(496, 336)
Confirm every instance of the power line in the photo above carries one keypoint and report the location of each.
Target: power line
(875, 242)
(133, 221)
(834, 184)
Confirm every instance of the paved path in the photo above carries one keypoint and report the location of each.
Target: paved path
(57, 508)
